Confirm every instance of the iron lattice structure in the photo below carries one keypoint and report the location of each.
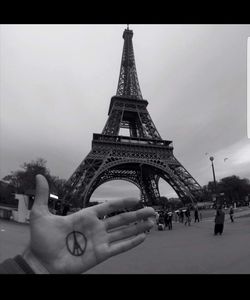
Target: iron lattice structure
(128, 84)
(141, 158)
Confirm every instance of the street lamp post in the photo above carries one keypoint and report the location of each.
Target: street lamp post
(215, 186)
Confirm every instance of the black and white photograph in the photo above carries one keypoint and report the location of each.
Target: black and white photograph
(124, 149)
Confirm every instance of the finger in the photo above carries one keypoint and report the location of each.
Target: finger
(129, 217)
(42, 193)
(130, 231)
(126, 245)
(114, 205)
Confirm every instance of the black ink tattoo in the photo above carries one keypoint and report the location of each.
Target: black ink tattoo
(76, 243)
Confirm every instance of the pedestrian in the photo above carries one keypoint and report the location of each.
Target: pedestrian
(231, 213)
(161, 221)
(166, 219)
(188, 217)
(196, 215)
(77, 242)
(170, 217)
(219, 221)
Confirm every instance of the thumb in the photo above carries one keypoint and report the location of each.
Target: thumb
(42, 193)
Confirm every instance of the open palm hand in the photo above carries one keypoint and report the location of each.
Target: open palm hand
(78, 242)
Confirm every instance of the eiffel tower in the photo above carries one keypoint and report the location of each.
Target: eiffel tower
(141, 158)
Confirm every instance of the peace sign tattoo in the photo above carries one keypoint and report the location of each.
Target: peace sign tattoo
(76, 243)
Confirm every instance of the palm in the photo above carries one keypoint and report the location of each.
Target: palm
(77, 242)
(49, 240)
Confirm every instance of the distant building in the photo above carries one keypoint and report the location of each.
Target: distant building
(20, 212)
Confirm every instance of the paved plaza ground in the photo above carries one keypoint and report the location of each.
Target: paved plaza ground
(184, 250)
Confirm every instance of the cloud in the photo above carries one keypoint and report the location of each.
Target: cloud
(116, 189)
(237, 162)
(242, 155)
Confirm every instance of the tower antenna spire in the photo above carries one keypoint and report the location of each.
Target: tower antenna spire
(128, 84)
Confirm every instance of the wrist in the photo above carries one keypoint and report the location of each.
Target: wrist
(34, 262)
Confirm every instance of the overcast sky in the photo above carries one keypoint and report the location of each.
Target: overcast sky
(57, 82)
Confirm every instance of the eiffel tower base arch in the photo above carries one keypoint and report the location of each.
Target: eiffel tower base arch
(142, 165)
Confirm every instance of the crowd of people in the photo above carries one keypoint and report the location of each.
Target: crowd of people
(164, 218)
